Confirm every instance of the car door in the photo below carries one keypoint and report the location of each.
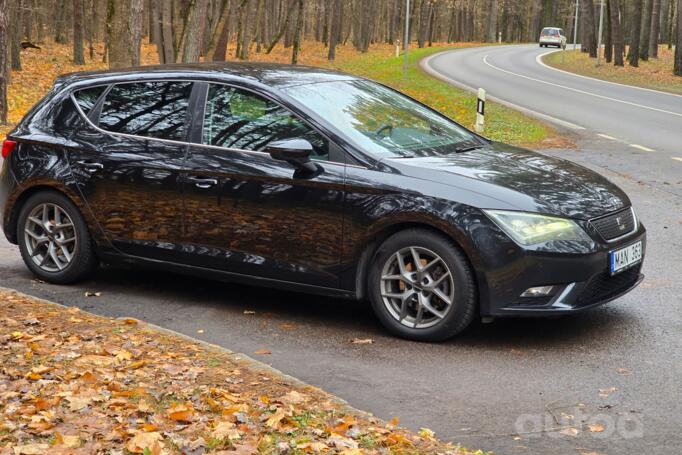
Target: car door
(129, 161)
(249, 214)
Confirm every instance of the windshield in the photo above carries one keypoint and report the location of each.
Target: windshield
(381, 121)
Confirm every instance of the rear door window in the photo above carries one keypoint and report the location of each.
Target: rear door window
(151, 109)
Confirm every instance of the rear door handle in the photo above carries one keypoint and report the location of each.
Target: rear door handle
(91, 166)
(202, 182)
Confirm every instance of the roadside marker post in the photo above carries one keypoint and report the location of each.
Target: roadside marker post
(397, 48)
(480, 111)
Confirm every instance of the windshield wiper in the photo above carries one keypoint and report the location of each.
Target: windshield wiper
(467, 146)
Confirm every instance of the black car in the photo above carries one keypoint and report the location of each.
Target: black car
(310, 180)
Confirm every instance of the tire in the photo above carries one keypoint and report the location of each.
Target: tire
(64, 222)
(442, 263)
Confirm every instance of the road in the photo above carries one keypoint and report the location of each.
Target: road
(646, 124)
(618, 366)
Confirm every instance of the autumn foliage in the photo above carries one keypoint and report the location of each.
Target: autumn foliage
(75, 383)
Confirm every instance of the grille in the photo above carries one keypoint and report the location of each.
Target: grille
(605, 286)
(615, 225)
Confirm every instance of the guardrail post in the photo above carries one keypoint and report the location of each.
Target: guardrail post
(480, 111)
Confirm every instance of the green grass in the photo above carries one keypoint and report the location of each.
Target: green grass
(502, 124)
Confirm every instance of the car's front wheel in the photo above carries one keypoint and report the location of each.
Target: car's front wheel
(54, 240)
(421, 286)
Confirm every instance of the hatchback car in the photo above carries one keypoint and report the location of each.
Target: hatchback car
(310, 180)
(552, 36)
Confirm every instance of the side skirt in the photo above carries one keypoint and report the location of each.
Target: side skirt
(220, 275)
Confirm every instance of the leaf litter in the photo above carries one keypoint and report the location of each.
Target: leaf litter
(75, 383)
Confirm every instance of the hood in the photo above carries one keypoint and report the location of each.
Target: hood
(527, 180)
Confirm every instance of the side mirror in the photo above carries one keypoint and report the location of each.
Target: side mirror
(294, 151)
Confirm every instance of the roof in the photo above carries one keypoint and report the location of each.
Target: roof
(270, 74)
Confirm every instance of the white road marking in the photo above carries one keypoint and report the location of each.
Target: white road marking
(676, 158)
(538, 59)
(641, 147)
(606, 136)
(641, 106)
(424, 64)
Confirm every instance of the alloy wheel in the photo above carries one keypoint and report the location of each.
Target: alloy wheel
(417, 287)
(50, 237)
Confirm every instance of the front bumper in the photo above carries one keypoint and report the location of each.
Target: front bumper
(581, 281)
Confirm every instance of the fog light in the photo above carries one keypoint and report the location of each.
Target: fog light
(539, 291)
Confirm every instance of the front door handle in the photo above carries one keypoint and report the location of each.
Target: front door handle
(201, 182)
(91, 166)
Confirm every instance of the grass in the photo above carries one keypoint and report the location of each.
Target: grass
(655, 73)
(502, 124)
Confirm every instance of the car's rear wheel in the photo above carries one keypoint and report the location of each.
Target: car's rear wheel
(54, 240)
(421, 286)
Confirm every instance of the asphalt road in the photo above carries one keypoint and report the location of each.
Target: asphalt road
(640, 120)
(618, 366)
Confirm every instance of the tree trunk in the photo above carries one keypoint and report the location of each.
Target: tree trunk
(78, 56)
(671, 24)
(677, 70)
(590, 33)
(297, 33)
(633, 55)
(194, 31)
(655, 29)
(126, 33)
(335, 32)
(15, 35)
(616, 33)
(491, 29)
(4, 54)
(59, 36)
(283, 27)
(167, 48)
(646, 30)
(608, 42)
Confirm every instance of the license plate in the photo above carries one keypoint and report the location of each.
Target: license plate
(625, 257)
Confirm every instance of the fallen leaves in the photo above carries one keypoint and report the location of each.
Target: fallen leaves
(145, 441)
(181, 413)
(362, 341)
(95, 385)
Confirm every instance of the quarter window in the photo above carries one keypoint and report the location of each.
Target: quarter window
(87, 98)
(152, 109)
(240, 119)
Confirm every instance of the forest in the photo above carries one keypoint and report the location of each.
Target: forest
(204, 30)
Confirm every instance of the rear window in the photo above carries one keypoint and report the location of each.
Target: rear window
(87, 98)
(550, 31)
(151, 109)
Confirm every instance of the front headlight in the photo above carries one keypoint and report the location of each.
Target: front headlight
(531, 228)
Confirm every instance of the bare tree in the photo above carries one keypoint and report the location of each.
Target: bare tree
(126, 27)
(491, 32)
(655, 28)
(589, 27)
(633, 55)
(15, 34)
(193, 36)
(298, 31)
(677, 70)
(617, 33)
(4, 59)
(646, 30)
(335, 32)
(78, 57)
